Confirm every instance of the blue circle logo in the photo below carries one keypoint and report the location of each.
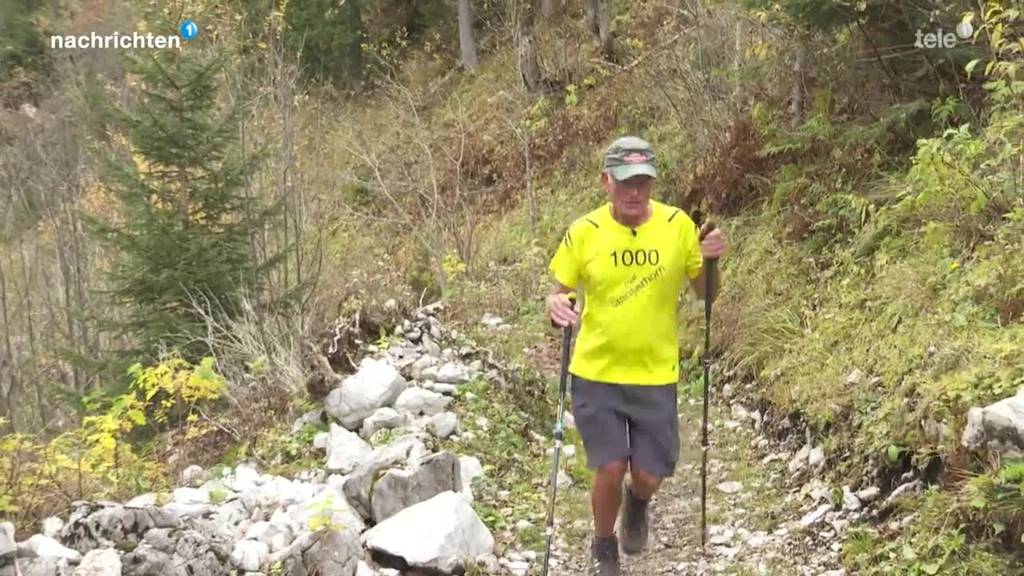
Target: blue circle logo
(188, 30)
(964, 30)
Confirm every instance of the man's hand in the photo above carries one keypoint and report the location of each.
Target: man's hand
(560, 309)
(712, 242)
(712, 246)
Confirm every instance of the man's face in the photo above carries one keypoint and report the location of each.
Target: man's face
(629, 197)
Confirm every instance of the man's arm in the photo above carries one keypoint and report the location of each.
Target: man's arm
(560, 288)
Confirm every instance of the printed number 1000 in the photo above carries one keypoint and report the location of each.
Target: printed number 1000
(636, 257)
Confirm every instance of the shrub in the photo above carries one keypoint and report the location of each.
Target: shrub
(104, 458)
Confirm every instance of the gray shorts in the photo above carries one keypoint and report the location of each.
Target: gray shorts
(638, 424)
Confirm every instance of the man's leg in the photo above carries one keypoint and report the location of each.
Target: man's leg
(654, 450)
(606, 497)
(643, 483)
(602, 425)
(640, 487)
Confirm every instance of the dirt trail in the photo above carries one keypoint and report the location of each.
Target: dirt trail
(753, 514)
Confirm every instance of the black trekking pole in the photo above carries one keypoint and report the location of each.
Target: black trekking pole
(709, 283)
(562, 385)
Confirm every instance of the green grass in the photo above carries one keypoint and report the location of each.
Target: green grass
(933, 544)
(514, 460)
(278, 450)
(921, 313)
(904, 323)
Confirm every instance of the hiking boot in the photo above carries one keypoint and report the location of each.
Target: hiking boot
(634, 523)
(605, 553)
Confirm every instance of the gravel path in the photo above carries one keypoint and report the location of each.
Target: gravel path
(754, 514)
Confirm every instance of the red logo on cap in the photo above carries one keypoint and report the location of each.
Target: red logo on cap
(635, 158)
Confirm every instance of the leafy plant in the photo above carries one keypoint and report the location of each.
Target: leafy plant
(323, 516)
(100, 459)
(571, 96)
(453, 265)
(930, 546)
(537, 115)
(997, 500)
(173, 385)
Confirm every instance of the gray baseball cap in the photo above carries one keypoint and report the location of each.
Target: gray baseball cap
(630, 156)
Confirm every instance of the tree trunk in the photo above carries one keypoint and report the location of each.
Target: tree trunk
(28, 275)
(796, 93)
(79, 259)
(604, 31)
(12, 388)
(529, 70)
(524, 136)
(590, 10)
(440, 273)
(737, 93)
(285, 77)
(466, 42)
(549, 9)
(354, 52)
(82, 260)
(183, 197)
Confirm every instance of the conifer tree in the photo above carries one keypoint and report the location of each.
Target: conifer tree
(21, 43)
(182, 224)
(329, 36)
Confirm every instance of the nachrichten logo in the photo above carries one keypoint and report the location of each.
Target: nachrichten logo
(188, 30)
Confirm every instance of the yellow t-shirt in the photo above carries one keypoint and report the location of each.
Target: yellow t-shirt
(631, 280)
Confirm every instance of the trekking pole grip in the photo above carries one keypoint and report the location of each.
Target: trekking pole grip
(709, 274)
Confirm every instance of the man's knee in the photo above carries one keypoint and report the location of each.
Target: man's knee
(617, 468)
(644, 483)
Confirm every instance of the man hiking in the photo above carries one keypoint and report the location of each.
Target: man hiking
(631, 257)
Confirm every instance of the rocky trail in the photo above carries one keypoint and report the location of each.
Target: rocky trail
(409, 438)
(767, 514)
